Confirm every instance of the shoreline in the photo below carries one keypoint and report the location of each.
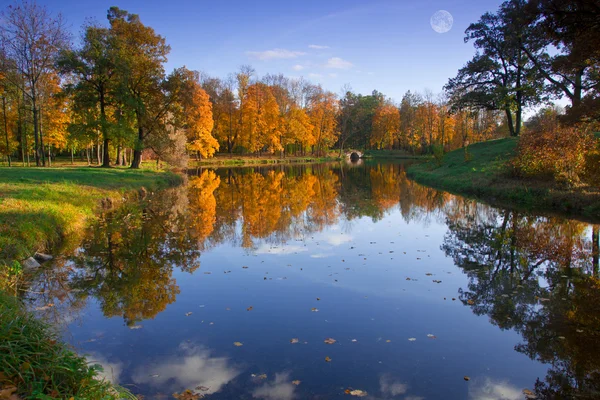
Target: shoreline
(485, 177)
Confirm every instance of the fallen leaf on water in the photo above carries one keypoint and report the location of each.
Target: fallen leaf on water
(429, 274)
(136, 327)
(431, 336)
(436, 281)
(294, 340)
(262, 376)
(187, 395)
(330, 341)
(327, 359)
(207, 273)
(354, 340)
(202, 388)
(187, 314)
(314, 309)
(466, 378)
(318, 298)
(412, 339)
(238, 344)
(358, 393)
(245, 267)
(296, 382)
(249, 308)
(388, 341)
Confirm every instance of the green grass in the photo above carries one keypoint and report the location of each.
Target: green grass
(35, 363)
(41, 207)
(487, 176)
(225, 160)
(385, 154)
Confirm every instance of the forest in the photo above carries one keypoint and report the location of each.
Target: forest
(109, 100)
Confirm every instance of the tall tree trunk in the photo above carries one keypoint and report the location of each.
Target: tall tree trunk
(72, 151)
(509, 121)
(118, 159)
(595, 250)
(137, 151)
(35, 128)
(105, 156)
(6, 129)
(41, 138)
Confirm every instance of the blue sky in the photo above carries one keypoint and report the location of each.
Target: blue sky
(385, 45)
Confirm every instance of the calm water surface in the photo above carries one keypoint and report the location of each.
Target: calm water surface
(230, 285)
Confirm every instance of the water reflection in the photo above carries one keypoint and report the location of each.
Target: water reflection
(533, 275)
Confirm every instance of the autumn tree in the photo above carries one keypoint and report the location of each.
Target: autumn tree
(386, 124)
(141, 54)
(93, 65)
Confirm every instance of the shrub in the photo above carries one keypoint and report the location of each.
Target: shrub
(554, 151)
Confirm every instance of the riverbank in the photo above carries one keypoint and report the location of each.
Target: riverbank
(223, 160)
(35, 364)
(42, 207)
(487, 176)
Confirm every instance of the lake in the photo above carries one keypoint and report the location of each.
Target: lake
(325, 281)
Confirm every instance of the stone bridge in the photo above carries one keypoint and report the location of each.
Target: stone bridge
(354, 155)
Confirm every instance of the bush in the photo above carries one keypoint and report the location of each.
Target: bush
(554, 151)
(34, 364)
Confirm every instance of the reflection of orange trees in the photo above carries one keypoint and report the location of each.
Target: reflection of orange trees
(203, 205)
(274, 205)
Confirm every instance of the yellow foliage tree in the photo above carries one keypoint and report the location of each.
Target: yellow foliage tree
(386, 124)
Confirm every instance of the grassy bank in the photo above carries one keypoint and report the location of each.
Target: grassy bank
(390, 154)
(40, 207)
(34, 364)
(223, 160)
(486, 176)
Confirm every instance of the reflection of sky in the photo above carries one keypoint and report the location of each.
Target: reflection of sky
(371, 280)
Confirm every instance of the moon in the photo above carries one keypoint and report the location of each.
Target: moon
(441, 21)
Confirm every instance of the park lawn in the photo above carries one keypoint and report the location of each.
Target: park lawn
(41, 207)
(486, 176)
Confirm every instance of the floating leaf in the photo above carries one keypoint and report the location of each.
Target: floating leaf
(238, 344)
(330, 341)
(136, 327)
(358, 393)
(314, 309)
(388, 341)
(202, 388)
(296, 382)
(187, 395)
(262, 376)
(249, 308)
(354, 340)
(245, 267)
(187, 314)
(294, 341)
(318, 298)
(466, 378)
(327, 359)
(431, 336)
(412, 339)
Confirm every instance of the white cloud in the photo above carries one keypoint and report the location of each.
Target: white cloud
(389, 387)
(320, 255)
(280, 389)
(111, 371)
(313, 75)
(298, 67)
(488, 389)
(193, 367)
(335, 239)
(278, 250)
(317, 46)
(338, 63)
(274, 54)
